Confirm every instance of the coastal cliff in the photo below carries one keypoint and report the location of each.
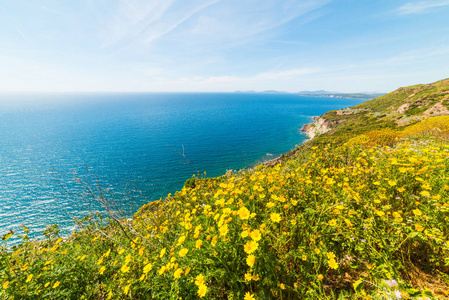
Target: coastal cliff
(395, 111)
(349, 214)
(319, 126)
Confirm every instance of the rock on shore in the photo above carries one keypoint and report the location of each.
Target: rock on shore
(317, 127)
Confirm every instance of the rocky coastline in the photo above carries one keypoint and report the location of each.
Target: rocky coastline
(310, 129)
(317, 127)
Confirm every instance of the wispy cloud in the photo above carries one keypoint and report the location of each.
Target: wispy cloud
(420, 7)
(143, 21)
(177, 21)
(233, 20)
(204, 22)
(17, 26)
(131, 18)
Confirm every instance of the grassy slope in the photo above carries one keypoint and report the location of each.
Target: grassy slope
(381, 112)
(328, 221)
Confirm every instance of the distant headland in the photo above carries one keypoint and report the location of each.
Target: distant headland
(323, 93)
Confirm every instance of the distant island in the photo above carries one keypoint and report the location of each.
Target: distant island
(344, 95)
(322, 93)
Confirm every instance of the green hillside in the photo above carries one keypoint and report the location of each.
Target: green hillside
(358, 212)
(396, 110)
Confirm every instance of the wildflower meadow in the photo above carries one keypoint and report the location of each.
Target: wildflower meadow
(368, 219)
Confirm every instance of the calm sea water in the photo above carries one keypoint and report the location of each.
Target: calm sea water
(124, 140)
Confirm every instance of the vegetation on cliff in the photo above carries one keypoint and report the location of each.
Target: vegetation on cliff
(395, 111)
(363, 217)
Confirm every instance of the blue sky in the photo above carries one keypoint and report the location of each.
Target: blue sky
(221, 45)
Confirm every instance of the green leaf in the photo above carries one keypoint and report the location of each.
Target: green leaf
(414, 292)
(413, 234)
(7, 236)
(357, 284)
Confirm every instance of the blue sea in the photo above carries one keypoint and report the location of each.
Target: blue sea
(128, 146)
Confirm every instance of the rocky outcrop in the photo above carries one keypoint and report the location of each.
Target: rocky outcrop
(319, 126)
(437, 110)
(403, 108)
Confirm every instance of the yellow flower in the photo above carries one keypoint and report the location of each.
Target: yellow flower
(425, 194)
(183, 252)
(102, 269)
(223, 230)
(293, 222)
(199, 280)
(198, 244)
(282, 286)
(275, 217)
(317, 251)
(126, 289)
(380, 213)
(202, 290)
(391, 182)
(250, 247)
(248, 277)
(128, 258)
(244, 233)
(57, 283)
(320, 277)
(125, 268)
(249, 296)
(255, 235)
(162, 252)
(417, 212)
(304, 257)
(418, 227)
(147, 268)
(181, 240)
(214, 241)
(330, 255)
(333, 222)
(250, 260)
(162, 270)
(47, 284)
(5, 285)
(178, 273)
(244, 213)
(333, 264)
(29, 278)
(106, 254)
(270, 204)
